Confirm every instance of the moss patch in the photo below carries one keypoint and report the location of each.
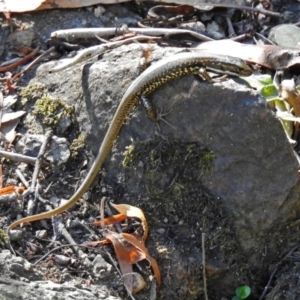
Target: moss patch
(51, 110)
(32, 92)
(77, 145)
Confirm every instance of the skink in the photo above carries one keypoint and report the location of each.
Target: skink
(156, 75)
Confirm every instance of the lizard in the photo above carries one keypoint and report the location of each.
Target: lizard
(175, 66)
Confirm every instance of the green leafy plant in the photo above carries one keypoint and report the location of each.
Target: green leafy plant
(266, 87)
(242, 292)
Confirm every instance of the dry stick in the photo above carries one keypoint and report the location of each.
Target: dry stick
(38, 164)
(38, 59)
(230, 27)
(79, 33)
(60, 247)
(62, 229)
(203, 266)
(22, 178)
(9, 62)
(18, 157)
(275, 271)
(94, 51)
(20, 62)
(37, 167)
(248, 8)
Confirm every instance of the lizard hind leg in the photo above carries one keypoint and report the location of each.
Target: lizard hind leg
(202, 72)
(154, 116)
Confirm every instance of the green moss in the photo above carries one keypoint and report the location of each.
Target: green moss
(77, 145)
(51, 110)
(32, 92)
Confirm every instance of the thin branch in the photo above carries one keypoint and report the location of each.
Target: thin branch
(203, 266)
(91, 52)
(38, 59)
(19, 62)
(18, 157)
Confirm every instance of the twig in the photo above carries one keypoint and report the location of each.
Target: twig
(20, 62)
(275, 271)
(38, 59)
(22, 178)
(18, 157)
(9, 62)
(62, 229)
(79, 33)
(94, 51)
(203, 266)
(60, 247)
(248, 8)
(39, 160)
(34, 186)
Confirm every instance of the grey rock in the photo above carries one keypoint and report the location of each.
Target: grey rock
(254, 174)
(21, 38)
(31, 286)
(59, 150)
(17, 290)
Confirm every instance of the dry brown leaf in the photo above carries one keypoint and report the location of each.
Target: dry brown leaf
(112, 220)
(19, 6)
(290, 94)
(129, 250)
(33, 5)
(269, 56)
(133, 212)
(12, 189)
(140, 245)
(127, 255)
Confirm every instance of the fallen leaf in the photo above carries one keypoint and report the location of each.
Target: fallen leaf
(133, 212)
(140, 245)
(112, 220)
(12, 189)
(290, 94)
(129, 250)
(127, 255)
(269, 56)
(8, 115)
(33, 5)
(9, 101)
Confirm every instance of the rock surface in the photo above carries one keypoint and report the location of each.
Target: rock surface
(230, 119)
(20, 280)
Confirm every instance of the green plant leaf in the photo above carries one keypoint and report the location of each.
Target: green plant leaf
(287, 116)
(258, 81)
(269, 91)
(243, 291)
